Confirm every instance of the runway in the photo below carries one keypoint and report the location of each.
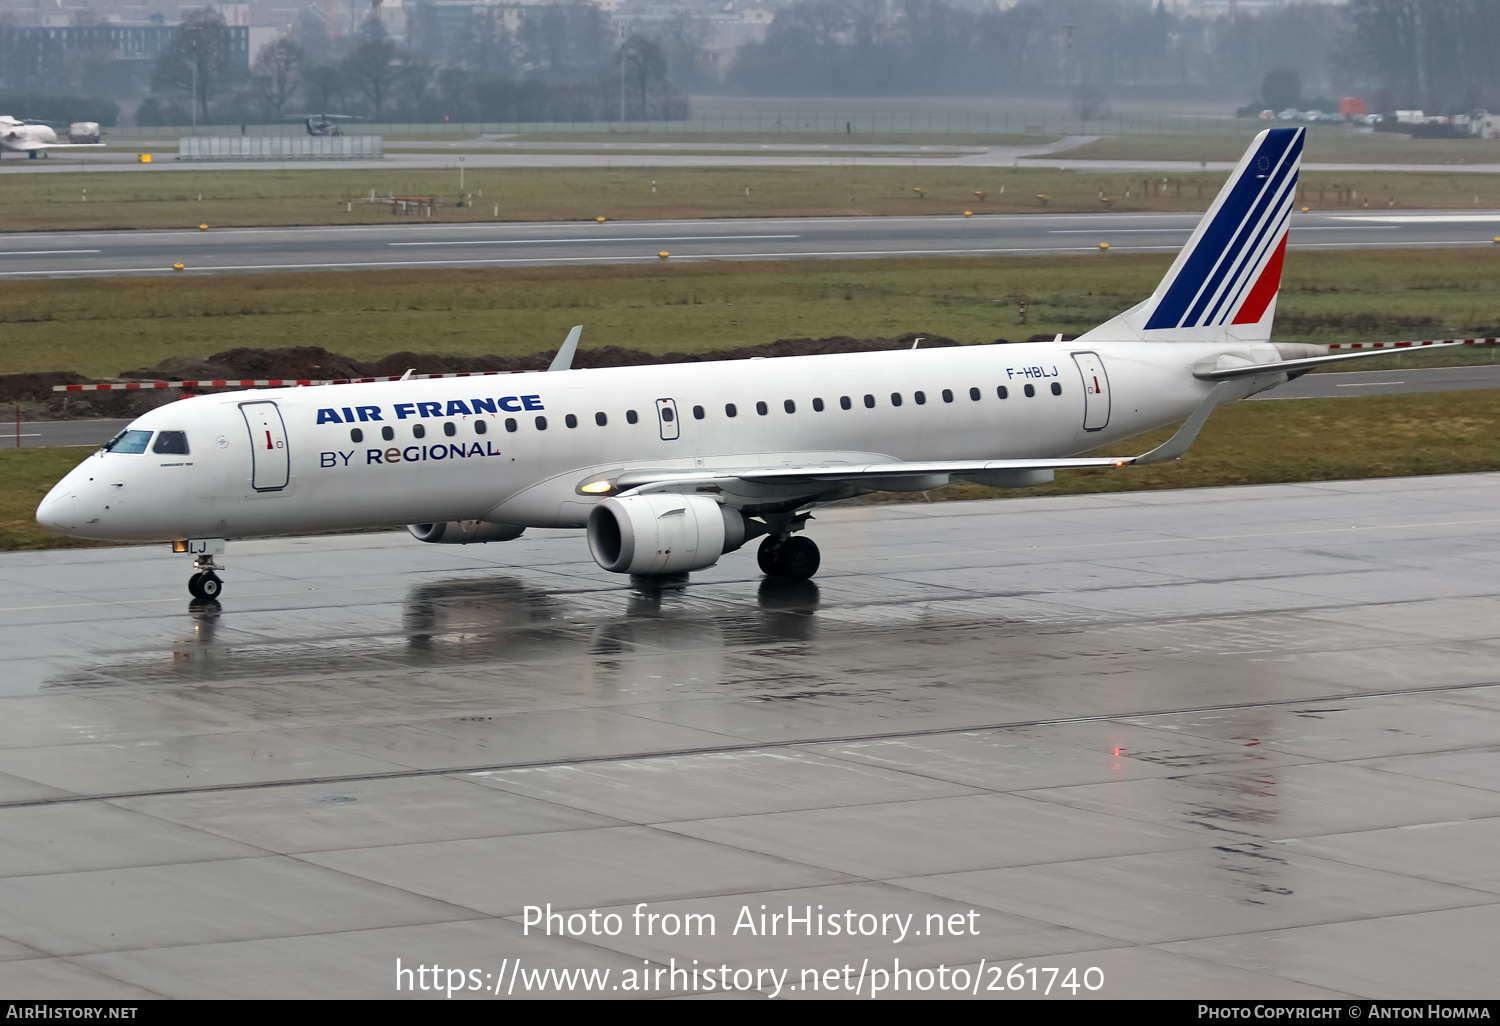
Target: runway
(103, 254)
(1232, 742)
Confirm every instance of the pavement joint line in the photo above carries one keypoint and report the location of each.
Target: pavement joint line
(551, 242)
(747, 746)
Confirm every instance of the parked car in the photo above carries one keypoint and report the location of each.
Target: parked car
(1268, 115)
(1290, 114)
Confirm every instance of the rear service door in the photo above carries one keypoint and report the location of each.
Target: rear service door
(666, 415)
(1095, 391)
(271, 462)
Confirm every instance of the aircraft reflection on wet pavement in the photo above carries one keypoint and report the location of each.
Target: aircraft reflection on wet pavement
(483, 622)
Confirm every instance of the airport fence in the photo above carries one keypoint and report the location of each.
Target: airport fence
(273, 147)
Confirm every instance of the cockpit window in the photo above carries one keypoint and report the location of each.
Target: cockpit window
(128, 441)
(171, 443)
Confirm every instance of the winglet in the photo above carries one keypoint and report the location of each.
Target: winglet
(1172, 448)
(564, 358)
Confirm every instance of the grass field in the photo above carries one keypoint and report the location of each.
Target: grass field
(101, 327)
(1246, 443)
(162, 198)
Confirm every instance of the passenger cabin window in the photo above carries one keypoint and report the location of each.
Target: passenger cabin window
(449, 428)
(601, 419)
(974, 394)
(510, 423)
(131, 442)
(356, 435)
(698, 413)
(1056, 388)
(171, 443)
(1030, 391)
(947, 395)
(1003, 392)
(419, 431)
(480, 427)
(570, 420)
(789, 406)
(920, 397)
(729, 410)
(541, 423)
(844, 402)
(388, 432)
(818, 405)
(762, 409)
(895, 398)
(630, 417)
(869, 402)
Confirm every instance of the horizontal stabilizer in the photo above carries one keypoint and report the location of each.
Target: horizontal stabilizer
(1294, 368)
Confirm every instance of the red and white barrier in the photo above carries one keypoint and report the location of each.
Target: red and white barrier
(129, 386)
(1412, 345)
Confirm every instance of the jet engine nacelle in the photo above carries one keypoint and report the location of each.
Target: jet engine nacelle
(464, 532)
(662, 533)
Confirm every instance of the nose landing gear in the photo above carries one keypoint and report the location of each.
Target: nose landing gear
(205, 585)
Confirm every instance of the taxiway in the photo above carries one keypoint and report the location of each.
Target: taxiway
(1239, 742)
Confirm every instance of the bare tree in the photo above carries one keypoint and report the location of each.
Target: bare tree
(375, 66)
(197, 61)
(277, 74)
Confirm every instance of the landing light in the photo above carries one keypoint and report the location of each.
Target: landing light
(179, 545)
(601, 487)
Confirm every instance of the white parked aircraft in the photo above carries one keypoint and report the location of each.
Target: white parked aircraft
(33, 137)
(669, 467)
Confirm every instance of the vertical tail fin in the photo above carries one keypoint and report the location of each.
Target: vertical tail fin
(1223, 284)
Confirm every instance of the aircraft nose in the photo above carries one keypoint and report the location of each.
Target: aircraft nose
(59, 510)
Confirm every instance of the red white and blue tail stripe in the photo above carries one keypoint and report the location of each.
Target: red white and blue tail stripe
(1229, 272)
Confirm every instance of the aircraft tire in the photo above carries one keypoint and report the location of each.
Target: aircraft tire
(195, 586)
(768, 556)
(798, 558)
(210, 587)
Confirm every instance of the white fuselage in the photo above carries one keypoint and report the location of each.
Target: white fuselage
(286, 461)
(20, 137)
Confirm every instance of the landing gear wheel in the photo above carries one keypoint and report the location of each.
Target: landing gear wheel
(195, 586)
(766, 556)
(210, 587)
(797, 558)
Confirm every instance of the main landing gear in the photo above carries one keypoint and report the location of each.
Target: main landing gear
(205, 584)
(796, 557)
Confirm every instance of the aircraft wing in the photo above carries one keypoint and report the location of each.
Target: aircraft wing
(816, 479)
(26, 146)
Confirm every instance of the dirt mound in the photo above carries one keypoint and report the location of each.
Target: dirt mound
(35, 388)
(316, 363)
(304, 362)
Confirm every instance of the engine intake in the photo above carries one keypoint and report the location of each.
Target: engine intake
(659, 533)
(464, 532)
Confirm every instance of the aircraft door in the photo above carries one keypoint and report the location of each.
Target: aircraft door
(270, 458)
(666, 416)
(1095, 391)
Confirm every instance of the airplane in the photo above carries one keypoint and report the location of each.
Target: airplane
(669, 467)
(323, 124)
(33, 137)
